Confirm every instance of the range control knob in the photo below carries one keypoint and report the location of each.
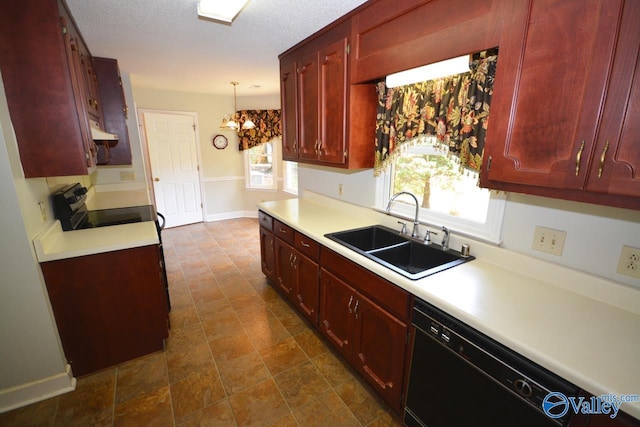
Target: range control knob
(523, 388)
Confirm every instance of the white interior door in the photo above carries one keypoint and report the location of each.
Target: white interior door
(171, 140)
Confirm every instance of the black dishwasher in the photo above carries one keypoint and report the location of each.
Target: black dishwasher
(461, 378)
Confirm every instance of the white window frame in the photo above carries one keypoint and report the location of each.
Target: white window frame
(286, 187)
(489, 232)
(274, 165)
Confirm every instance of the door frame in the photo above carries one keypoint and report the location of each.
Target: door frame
(147, 160)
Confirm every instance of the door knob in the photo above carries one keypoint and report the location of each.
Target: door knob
(157, 179)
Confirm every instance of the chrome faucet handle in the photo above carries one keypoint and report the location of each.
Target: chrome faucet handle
(445, 238)
(404, 227)
(427, 237)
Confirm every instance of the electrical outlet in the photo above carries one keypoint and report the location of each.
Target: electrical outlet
(339, 189)
(127, 176)
(629, 263)
(549, 240)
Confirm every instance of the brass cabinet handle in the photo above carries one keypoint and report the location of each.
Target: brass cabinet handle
(349, 306)
(355, 309)
(306, 245)
(578, 157)
(602, 157)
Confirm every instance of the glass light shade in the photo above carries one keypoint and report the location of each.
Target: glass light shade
(248, 124)
(433, 71)
(224, 11)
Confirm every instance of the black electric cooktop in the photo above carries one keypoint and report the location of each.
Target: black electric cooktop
(117, 216)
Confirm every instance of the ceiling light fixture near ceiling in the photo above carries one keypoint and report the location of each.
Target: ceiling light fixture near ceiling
(224, 11)
(433, 71)
(232, 121)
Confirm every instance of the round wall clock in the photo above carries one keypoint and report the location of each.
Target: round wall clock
(220, 141)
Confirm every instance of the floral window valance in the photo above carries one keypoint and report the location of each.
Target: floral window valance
(268, 126)
(455, 109)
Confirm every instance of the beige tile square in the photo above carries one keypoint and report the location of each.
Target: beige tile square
(216, 415)
(149, 409)
(190, 359)
(362, 402)
(38, 414)
(283, 356)
(227, 348)
(195, 392)
(243, 372)
(91, 403)
(259, 405)
(301, 384)
(334, 370)
(311, 343)
(141, 376)
(326, 410)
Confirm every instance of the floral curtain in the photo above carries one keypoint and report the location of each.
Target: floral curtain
(268, 126)
(455, 109)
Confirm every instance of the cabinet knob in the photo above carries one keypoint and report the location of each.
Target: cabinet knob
(156, 179)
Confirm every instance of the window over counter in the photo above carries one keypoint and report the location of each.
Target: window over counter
(290, 177)
(260, 167)
(447, 197)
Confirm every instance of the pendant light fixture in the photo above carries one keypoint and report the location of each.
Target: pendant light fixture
(233, 121)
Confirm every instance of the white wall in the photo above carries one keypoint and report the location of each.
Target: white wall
(32, 364)
(595, 234)
(224, 190)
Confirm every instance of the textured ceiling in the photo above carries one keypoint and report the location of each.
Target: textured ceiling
(163, 44)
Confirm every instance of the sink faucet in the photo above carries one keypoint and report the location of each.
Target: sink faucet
(414, 233)
(445, 238)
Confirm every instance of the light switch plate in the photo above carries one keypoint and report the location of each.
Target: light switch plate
(549, 240)
(629, 263)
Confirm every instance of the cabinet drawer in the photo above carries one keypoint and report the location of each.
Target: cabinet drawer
(265, 221)
(283, 231)
(385, 293)
(306, 246)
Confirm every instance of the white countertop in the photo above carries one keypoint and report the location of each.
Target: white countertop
(54, 243)
(584, 328)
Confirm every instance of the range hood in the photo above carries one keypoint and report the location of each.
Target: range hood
(98, 134)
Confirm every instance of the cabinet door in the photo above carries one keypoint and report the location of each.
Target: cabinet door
(114, 109)
(77, 75)
(268, 253)
(337, 301)
(307, 272)
(285, 268)
(548, 93)
(92, 93)
(113, 314)
(308, 106)
(616, 163)
(380, 345)
(289, 101)
(333, 99)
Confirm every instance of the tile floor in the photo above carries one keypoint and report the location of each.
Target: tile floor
(237, 354)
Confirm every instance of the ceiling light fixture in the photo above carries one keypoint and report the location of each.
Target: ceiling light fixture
(223, 11)
(433, 71)
(232, 121)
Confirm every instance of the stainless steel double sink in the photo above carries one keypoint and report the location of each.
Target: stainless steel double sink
(398, 252)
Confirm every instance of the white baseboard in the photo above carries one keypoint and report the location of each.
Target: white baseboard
(26, 394)
(231, 215)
